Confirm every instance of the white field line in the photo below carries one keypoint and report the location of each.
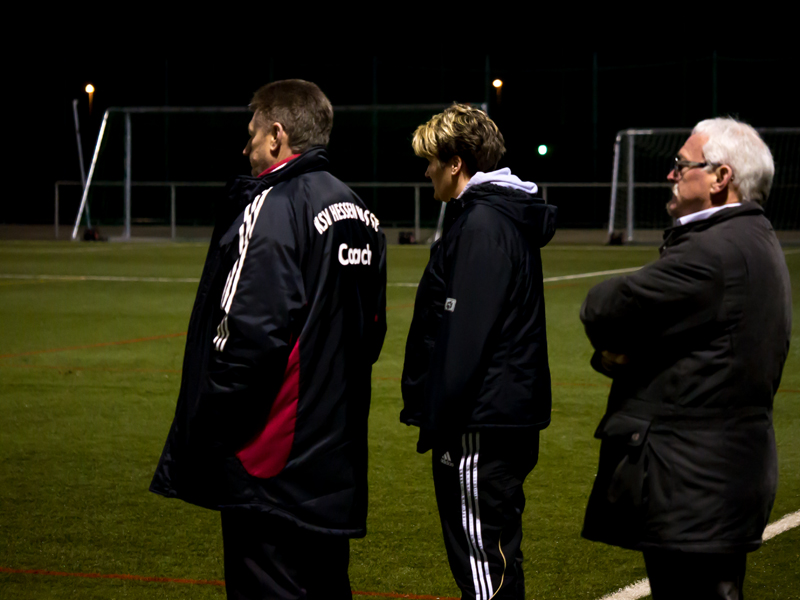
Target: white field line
(102, 278)
(552, 279)
(641, 588)
(595, 274)
(795, 251)
(24, 276)
(782, 525)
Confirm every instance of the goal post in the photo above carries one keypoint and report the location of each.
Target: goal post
(643, 158)
(128, 152)
(126, 177)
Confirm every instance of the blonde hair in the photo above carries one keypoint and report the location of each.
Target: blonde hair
(464, 131)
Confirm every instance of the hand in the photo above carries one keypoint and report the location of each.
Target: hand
(609, 363)
(612, 361)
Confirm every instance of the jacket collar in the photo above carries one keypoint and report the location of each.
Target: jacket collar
(244, 188)
(671, 234)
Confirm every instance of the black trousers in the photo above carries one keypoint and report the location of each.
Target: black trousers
(270, 558)
(478, 481)
(695, 576)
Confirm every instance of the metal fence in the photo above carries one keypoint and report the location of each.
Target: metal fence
(570, 197)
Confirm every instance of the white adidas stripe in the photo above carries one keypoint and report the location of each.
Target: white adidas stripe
(470, 515)
(246, 229)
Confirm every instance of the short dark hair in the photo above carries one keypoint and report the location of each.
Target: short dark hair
(300, 106)
(461, 130)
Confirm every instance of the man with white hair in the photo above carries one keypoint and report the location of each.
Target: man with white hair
(695, 343)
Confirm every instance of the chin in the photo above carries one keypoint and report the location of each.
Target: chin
(672, 208)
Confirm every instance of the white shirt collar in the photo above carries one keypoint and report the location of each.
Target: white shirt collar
(704, 214)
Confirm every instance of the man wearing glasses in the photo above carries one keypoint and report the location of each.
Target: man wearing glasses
(695, 343)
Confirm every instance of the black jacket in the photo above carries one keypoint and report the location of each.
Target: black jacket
(288, 320)
(476, 354)
(688, 459)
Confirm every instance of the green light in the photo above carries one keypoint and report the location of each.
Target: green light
(542, 150)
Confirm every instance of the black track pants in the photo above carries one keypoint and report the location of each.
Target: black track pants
(695, 576)
(269, 558)
(478, 481)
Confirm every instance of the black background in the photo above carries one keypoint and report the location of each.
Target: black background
(574, 101)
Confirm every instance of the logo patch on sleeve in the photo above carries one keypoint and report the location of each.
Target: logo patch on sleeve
(450, 304)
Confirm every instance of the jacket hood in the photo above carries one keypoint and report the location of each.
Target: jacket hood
(503, 178)
(535, 219)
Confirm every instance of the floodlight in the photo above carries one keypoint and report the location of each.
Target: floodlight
(498, 83)
(542, 150)
(89, 88)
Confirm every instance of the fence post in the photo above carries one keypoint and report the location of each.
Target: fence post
(416, 214)
(544, 193)
(56, 218)
(631, 181)
(127, 234)
(612, 206)
(172, 210)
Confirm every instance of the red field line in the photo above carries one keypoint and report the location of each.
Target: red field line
(102, 369)
(123, 342)
(111, 576)
(409, 596)
(400, 306)
(571, 384)
(98, 345)
(191, 581)
(179, 371)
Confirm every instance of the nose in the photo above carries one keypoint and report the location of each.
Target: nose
(427, 173)
(671, 175)
(246, 150)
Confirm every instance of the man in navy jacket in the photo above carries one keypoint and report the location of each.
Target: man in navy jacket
(271, 422)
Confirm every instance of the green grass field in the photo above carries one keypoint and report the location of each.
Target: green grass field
(89, 376)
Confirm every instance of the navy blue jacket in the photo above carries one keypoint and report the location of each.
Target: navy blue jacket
(288, 320)
(476, 354)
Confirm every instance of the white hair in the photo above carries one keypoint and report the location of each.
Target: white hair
(731, 142)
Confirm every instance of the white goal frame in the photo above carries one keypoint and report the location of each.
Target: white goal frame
(127, 111)
(631, 184)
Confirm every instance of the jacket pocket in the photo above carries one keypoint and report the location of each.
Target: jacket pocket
(623, 459)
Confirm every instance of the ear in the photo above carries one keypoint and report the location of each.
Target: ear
(455, 165)
(724, 176)
(278, 135)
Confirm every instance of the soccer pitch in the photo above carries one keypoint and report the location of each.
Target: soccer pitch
(90, 366)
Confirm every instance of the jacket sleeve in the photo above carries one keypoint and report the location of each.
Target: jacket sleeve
(674, 296)
(262, 311)
(478, 276)
(422, 334)
(379, 329)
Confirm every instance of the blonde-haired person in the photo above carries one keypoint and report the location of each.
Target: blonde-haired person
(476, 380)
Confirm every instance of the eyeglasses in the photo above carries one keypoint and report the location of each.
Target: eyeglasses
(681, 164)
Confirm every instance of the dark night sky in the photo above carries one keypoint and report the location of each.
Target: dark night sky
(547, 98)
